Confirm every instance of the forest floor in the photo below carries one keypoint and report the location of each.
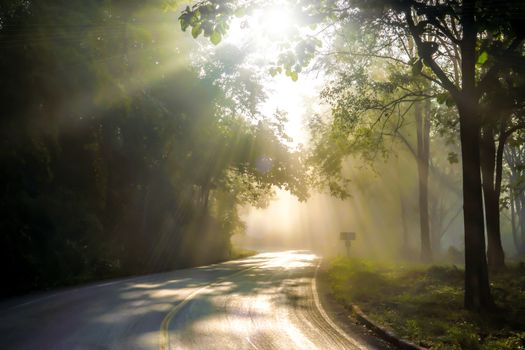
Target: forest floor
(424, 303)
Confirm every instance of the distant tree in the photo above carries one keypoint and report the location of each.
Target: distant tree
(368, 111)
(515, 158)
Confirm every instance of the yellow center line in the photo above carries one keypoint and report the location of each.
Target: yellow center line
(164, 326)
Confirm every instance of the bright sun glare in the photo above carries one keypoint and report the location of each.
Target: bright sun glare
(263, 33)
(276, 22)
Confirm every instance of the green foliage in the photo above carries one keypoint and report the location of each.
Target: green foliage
(208, 18)
(238, 253)
(482, 58)
(423, 303)
(445, 98)
(370, 102)
(212, 19)
(417, 67)
(453, 157)
(118, 156)
(215, 37)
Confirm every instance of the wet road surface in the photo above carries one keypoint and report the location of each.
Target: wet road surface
(268, 301)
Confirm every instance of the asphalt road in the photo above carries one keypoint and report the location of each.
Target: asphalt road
(268, 301)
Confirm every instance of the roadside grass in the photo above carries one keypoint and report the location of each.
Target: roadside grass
(240, 253)
(424, 303)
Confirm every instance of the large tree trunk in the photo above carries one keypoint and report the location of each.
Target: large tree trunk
(521, 212)
(437, 215)
(477, 288)
(513, 159)
(423, 136)
(491, 194)
(518, 242)
(405, 243)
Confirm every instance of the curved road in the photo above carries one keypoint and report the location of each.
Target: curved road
(268, 301)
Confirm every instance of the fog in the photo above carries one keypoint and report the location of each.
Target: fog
(382, 209)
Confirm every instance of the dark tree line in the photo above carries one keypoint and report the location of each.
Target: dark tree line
(118, 155)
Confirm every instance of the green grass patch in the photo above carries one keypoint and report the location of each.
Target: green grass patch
(424, 304)
(239, 253)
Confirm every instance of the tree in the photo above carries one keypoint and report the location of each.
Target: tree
(502, 117)
(441, 21)
(366, 114)
(380, 92)
(477, 290)
(456, 28)
(423, 156)
(514, 157)
(121, 153)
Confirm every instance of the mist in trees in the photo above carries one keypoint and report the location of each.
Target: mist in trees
(124, 151)
(467, 55)
(134, 138)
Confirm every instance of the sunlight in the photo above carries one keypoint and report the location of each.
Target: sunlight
(277, 22)
(265, 28)
(294, 98)
(263, 34)
(152, 149)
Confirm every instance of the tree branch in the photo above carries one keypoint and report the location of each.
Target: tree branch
(426, 56)
(485, 82)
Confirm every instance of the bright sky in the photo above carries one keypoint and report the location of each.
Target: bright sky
(299, 99)
(262, 33)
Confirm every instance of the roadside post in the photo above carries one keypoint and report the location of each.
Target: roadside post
(347, 237)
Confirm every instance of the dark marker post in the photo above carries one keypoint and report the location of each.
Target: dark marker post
(348, 237)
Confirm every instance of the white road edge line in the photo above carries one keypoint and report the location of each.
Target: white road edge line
(325, 315)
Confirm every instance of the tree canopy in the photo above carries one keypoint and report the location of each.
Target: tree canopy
(122, 154)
